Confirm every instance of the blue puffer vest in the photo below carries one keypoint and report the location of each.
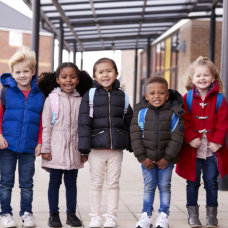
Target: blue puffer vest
(21, 118)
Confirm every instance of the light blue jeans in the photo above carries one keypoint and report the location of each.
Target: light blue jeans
(153, 178)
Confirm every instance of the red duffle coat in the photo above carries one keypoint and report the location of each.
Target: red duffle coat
(215, 125)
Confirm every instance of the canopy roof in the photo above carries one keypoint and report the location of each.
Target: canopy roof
(120, 24)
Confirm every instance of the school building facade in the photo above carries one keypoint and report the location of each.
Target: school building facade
(171, 55)
(15, 31)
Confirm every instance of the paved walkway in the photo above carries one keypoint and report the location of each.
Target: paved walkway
(131, 192)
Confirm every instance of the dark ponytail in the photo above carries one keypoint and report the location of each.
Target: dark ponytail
(47, 82)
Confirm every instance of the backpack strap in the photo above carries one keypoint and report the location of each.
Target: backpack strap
(189, 100)
(3, 97)
(141, 119)
(54, 101)
(127, 103)
(190, 97)
(219, 100)
(174, 122)
(91, 98)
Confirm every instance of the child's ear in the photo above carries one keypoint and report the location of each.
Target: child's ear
(57, 80)
(167, 96)
(145, 95)
(33, 71)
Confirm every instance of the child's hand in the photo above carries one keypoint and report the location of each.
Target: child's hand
(162, 163)
(84, 158)
(46, 156)
(214, 146)
(195, 143)
(148, 164)
(3, 142)
(38, 150)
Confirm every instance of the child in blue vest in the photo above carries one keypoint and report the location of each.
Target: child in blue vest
(104, 122)
(20, 133)
(157, 133)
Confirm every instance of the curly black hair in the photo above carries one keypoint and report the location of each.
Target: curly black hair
(47, 80)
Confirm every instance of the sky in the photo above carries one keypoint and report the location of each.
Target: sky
(89, 58)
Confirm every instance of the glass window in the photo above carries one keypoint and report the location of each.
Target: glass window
(15, 38)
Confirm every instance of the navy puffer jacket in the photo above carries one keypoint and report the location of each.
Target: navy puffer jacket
(109, 128)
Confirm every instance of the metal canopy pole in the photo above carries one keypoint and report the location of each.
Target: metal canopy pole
(135, 78)
(35, 30)
(53, 52)
(223, 183)
(74, 52)
(148, 57)
(212, 34)
(60, 42)
(81, 60)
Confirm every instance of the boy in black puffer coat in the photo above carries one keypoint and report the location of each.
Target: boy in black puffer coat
(104, 132)
(157, 132)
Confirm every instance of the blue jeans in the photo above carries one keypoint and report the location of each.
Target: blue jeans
(153, 178)
(26, 170)
(210, 174)
(70, 180)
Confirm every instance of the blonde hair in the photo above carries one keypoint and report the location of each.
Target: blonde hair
(23, 54)
(203, 61)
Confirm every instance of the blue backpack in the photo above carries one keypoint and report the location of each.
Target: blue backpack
(190, 98)
(141, 120)
(91, 98)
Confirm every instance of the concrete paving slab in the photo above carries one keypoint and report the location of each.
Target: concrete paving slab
(130, 204)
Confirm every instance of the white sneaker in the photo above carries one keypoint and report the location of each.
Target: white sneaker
(28, 220)
(95, 221)
(8, 221)
(162, 221)
(145, 221)
(110, 220)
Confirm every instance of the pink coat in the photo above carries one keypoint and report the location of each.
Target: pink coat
(61, 138)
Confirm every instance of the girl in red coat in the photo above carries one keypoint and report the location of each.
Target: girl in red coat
(204, 149)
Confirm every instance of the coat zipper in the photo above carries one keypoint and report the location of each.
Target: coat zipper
(22, 130)
(109, 114)
(70, 130)
(156, 134)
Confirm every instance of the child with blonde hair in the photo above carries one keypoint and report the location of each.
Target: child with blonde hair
(204, 149)
(20, 133)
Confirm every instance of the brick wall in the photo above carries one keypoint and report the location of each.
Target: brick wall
(6, 51)
(196, 34)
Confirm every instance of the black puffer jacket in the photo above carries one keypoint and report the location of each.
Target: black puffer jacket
(158, 141)
(109, 128)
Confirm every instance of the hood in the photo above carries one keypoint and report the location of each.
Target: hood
(8, 80)
(115, 85)
(175, 103)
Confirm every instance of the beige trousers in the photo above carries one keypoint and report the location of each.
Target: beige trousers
(105, 165)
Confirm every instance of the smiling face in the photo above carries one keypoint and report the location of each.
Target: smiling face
(68, 79)
(105, 74)
(156, 94)
(22, 73)
(202, 78)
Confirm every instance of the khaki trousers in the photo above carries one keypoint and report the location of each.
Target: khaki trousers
(105, 165)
